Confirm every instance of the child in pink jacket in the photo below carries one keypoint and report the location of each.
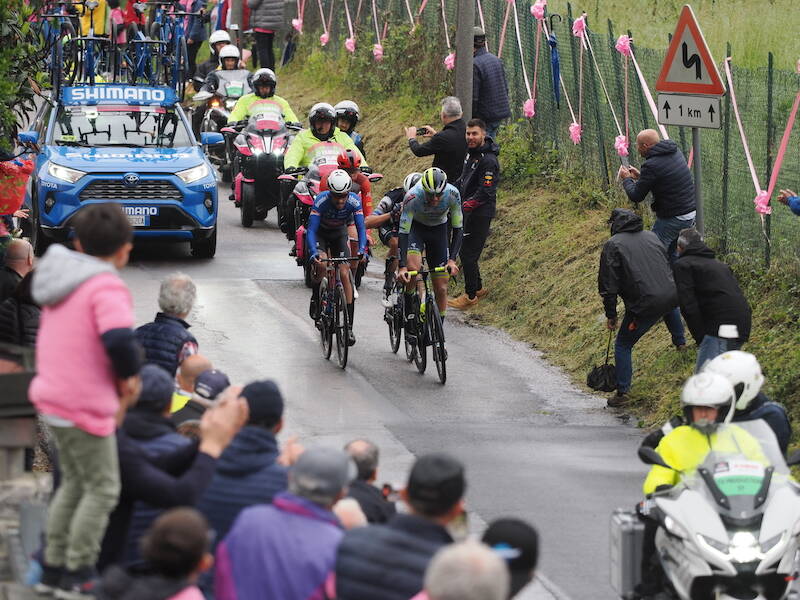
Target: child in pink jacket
(87, 364)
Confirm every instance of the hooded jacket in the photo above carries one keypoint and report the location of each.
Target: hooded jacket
(266, 14)
(139, 584)
(709, 294)
(489, 88)
(479, 180)
(634, 265)
(246, 474)
(85, 305)
(666, 175)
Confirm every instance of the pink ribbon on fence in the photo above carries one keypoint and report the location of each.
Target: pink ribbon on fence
(576, 128)
(503, 30)
(648, 96)
(537, 9)
(349, 43)
(622, 142)
(528, 107)
(325, 37)
(421, 8)
(483, 23)
(410, 15)
(377, 48)
(450, 59)
(298, 22)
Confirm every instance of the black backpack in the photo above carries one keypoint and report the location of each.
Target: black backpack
(603, 378)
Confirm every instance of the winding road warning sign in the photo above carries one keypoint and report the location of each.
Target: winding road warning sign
(688, 67)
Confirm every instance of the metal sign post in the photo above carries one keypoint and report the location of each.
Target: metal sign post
(698, 180)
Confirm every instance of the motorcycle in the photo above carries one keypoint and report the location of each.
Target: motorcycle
(728, 530)
(307, 182)
(258, 148)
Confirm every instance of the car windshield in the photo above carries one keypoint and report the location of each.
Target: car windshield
(120, 126)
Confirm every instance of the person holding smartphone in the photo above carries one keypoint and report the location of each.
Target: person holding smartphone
(448, 146)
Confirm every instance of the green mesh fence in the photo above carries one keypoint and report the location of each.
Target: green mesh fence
(765, 96)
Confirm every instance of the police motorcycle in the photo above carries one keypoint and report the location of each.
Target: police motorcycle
(728, 530)
(258, 148)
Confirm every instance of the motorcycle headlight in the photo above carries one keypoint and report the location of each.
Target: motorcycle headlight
(193, 174)
(278, 151)
(64, 173)
(674, 527)
(744, 547)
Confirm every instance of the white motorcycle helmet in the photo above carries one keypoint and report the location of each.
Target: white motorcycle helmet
(322, 111)
(707, 389)
(339, 182)
(411, 180)
(229, 51)
(743, 372)
(220, 35)
(349, 111)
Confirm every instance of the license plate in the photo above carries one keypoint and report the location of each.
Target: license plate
(139, 220)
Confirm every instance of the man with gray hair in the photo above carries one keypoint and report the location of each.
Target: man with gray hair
(18, 262)
(287, 549)
(167, 341)
(448, 146)
(467, 571)
(375, 507)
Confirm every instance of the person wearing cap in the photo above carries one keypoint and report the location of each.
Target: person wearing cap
(248, 472)
(388, 561)
(489, 86)
(287, 549)
(186, 379)
(208, 386)
(375, 507)
(148, 425)
(516, 542)
(712, 303)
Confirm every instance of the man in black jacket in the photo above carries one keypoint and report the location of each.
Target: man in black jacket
(374, 506)
(489, 86)
(389, 561)
(710, 298)
(478, 187)
(447, 146)
(634, 265)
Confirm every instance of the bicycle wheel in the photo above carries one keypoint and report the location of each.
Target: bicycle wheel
(180, 69)
(73, 64)
(325, 319)
(394, 319)
(342, 323)
(420, 350)
(56, 72)
(436, 337)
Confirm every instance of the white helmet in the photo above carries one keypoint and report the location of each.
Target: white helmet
(229, 51)
(347, 107)
(321, 111)
(707, 389)
(743, 372)
(339, 182)
(220, 35)
(411, 180)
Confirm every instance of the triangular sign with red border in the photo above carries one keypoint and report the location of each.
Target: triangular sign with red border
(688, 67)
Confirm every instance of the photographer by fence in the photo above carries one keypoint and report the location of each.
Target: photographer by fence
(448, 146)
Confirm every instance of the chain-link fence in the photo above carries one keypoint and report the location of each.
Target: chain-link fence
(765, 96)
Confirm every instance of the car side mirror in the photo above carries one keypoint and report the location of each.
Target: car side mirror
(211, 138)
(794, 459)
(29, 138)
(650, 457)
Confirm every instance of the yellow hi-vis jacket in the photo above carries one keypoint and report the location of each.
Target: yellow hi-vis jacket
(307, 149)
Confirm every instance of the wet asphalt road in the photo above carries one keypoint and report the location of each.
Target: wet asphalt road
(534, 446)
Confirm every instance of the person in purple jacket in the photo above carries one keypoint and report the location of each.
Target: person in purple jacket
(790, 199)
(287, 549)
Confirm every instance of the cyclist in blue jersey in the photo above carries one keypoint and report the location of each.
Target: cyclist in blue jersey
(327, 232)
(427, 208)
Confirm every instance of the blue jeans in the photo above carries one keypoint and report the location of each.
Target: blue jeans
(711, 347)
(667, 231)
(627, 338)
(492, 127)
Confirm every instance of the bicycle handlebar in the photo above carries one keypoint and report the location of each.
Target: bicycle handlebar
(425, 272)
(341, 259)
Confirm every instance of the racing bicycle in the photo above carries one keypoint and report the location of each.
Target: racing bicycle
(333, 318)
(425, 328)
(169, 26)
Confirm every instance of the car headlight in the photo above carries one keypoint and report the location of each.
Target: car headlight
(64, 173)
(193, 174)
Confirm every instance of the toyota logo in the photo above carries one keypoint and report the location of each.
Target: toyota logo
(130, 179)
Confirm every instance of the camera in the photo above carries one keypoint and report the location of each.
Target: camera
(421, 131)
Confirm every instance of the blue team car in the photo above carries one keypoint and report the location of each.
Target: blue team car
(127, 144)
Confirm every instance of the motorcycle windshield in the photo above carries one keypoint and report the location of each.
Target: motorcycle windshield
(744, 463)
(266, 115)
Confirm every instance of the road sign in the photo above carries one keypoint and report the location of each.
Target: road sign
(691, 111)
(688, 67)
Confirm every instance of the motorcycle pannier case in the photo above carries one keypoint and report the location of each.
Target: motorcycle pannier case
(627, 534)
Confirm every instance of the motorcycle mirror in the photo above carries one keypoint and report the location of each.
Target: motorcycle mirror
(228, 130)
(201, 96)
(650, 457)
(794, 459)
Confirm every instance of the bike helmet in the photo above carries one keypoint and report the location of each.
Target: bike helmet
(219, 35)
(229, 51)
(339, 182)
(411, 180)
(743, 372)
(348, 110)
(349, 159)
(264, 77)
(707, 389)
(321, 111)
(434, 180)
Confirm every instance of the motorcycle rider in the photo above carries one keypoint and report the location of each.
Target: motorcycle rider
(216, 41)
(743, 372)
(228, 59)
(347, 117)
(263, 83)
(332, 210)
(706, 398)
(386, 219)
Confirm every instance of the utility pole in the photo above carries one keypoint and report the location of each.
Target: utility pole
(464, 36)
(237, 18)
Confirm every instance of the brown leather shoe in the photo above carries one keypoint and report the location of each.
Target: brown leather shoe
(481, 293)
(462, 302)
(617, 400)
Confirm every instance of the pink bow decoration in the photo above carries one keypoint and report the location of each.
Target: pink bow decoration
(529, 108)
(537, 10)
(623, 45)
(575, 133)
(324, 38)
(579, 26)
(450, 61)
(350, 44)
(298, 25)
(762, 203)
(621, 145)
(377, 52)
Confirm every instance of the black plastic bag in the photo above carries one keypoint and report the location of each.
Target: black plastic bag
(603, 378)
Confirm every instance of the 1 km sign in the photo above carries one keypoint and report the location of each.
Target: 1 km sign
(688, 67)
